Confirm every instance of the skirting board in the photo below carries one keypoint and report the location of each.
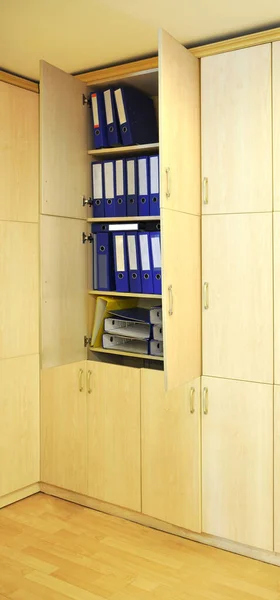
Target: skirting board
(19, 494)
(117, 511)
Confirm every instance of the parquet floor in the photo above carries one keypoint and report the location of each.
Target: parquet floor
(53, 550)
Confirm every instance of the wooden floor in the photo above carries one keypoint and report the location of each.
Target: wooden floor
(53, 550)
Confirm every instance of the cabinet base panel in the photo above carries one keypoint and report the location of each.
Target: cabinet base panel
(19, 494)
(130, 515)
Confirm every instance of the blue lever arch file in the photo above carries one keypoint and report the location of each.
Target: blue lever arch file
(131, 174)
(104, 259)
(113, 132)
(109, 187)
(154, 186)
(146, 266)
(121, 187)
(143, 186)
(99, 120)
(97, 189)
(137, 116)
(120, 262)
(156, 260)
(133, 253)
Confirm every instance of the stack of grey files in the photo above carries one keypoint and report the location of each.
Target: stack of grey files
(135, 330)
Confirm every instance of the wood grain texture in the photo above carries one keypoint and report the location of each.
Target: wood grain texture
(19, 142)
(238, 325)
(64, 291)
(20, 82)
(19, 284)
(179, 126)
(19, 423)
(171, 464)
(237, 131)
(237, 462)
(181, 268)
(64, 427)
(276, 273)
(118, 71)
(276, 468)
(276, 124)
(87, 555)
(64, 131)
(114, 435)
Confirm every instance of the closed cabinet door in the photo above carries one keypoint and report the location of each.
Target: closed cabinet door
(19, 284)
(276, 468)
(170, 442)
(276, 244)
(238, 297)
(114, 434)
(237, 461)
(65, 140)
(19, 423)
(276, 123)
(64, 298)
(19, 143)
(179, 126)
(236, 130)
(64, 427)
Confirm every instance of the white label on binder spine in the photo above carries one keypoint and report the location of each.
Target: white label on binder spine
(156, 252)
(108, 107)
(132, 252)
(130, 177)
(97, 180)
(154, 174)
(144, 247)
(95, 110)
(142, 176)
(109, 179)
(119, 177)
(120, 106)
(119, 241)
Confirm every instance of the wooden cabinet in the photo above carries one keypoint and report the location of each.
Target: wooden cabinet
(237, 461)
(276, 123)
(114, 434)
(238, 299)
(64, 291)
(64, 427)
(19, 144)
(19, 423)
(170, 441)
(19, 284)
(276, 468)
(276, 247)
(237, 131)
(179, 126)
(65, 140)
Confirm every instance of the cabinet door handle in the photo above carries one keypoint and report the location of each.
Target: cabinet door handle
(205, 400)
(81, 384)
(170, 296)
(205, 190)
(192, 396)
(167, 193)
(89, 388)
(206, 295)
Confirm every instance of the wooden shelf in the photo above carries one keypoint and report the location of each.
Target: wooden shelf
(125, 150)
(129, 354)
(122, 219)
(124, 294)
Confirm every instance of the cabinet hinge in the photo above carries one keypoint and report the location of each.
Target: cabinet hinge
(87, 238)
(86, 101)
(87, 341)
(87, 201)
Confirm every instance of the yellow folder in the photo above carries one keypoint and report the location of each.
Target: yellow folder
(104, 304)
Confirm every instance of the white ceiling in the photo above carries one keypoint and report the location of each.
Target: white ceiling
(77, 35)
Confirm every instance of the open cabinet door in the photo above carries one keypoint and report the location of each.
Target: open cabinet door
(179, 118)
(64, 130)
(65, 178)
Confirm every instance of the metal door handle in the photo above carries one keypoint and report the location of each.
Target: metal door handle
(170, 295)
(205, 400)
(167, 193)
(192, 395)
(81, 385)
(206, 295)
(89, 374)
(205, 190)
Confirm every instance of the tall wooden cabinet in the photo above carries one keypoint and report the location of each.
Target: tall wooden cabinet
(19, 282)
